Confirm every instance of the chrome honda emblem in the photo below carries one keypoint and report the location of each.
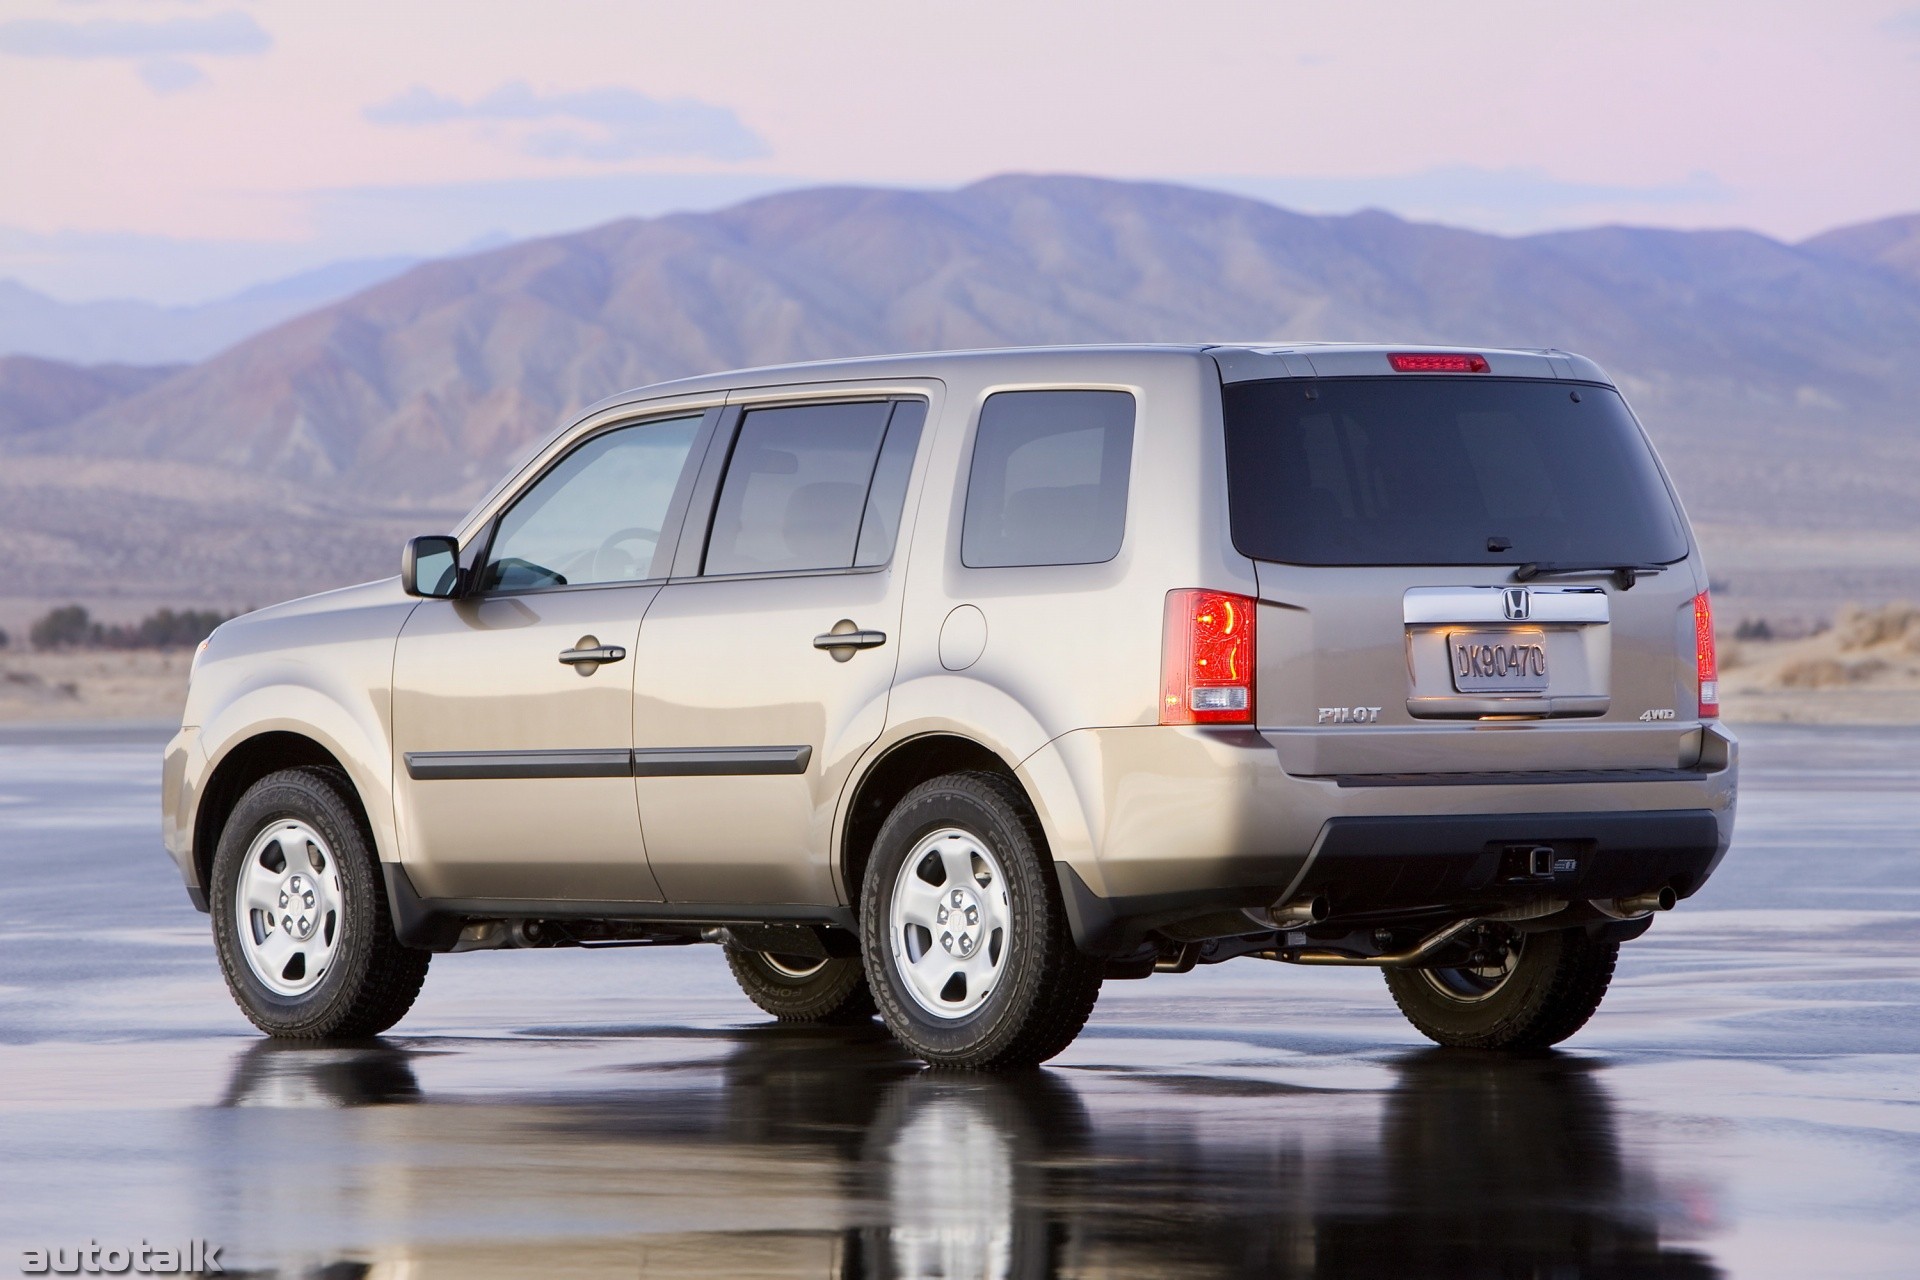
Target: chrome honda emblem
(1518, 603)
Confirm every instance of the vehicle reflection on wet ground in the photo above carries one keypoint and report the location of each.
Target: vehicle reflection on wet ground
(1744, 1103)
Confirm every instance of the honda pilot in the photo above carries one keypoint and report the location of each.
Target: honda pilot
(949, 687)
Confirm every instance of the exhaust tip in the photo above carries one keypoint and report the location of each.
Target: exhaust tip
(1661, 899)
(1310, 909)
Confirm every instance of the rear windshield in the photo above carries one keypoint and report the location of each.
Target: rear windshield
(1445, 470)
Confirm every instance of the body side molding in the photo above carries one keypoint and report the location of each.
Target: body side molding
(698, 762)
(618, 762)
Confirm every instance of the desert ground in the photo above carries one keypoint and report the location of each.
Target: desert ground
(96, 684)
(1864, 669)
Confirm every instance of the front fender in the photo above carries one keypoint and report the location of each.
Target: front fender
(350, 724)
(320, 668)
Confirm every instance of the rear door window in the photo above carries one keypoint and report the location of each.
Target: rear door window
(1048, 484)
(1443, 471)
(813, 487)
(880, 523)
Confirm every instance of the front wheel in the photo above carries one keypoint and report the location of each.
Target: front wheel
(966, 940)
(1522, 991)
(802, 988)
(299, 915)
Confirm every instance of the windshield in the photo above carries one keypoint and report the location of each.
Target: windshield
(1443, 470)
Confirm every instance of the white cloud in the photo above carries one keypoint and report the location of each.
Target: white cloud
(219, 35)
(159, 50)
(611, 123)
(171, 75)
(1905, 23)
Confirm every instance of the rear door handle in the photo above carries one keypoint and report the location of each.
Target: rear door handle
(588, 653)
(841, 644)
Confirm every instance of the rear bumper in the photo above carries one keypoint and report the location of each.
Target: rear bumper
(1185, 824)
(1388, 866)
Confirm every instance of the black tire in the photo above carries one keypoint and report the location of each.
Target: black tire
(1549, 991)
(799, 989)
(1046, 987)
(371, 980)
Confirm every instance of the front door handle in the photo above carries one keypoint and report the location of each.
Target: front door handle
(588, 654)
(846, 639)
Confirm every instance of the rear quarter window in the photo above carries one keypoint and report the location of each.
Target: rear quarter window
(1048, 484)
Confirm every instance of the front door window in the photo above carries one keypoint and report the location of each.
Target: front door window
(596, 516)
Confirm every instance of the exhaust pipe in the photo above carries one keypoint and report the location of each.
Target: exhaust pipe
(498, 935)
(1639, 905)
(1298, 914)
(1661, 899)
(1538, 909)
(1396, 960)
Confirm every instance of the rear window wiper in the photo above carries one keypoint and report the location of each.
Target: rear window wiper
(1624, 575)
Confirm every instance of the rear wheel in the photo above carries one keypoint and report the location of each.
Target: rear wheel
(1521, 991)
(966, 940)
(802, 988)
(299, 915)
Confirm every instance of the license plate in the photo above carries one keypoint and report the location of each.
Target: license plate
(1499, 661)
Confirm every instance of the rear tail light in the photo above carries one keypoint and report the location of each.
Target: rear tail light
(1436, 362)
(1207, 658)
(1706, 666)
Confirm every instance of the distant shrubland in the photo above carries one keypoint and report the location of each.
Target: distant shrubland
(72, 627)
(1863, 667)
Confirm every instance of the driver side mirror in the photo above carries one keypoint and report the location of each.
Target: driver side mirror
(430, 567)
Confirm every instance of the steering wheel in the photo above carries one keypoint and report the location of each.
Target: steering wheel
(608, 557)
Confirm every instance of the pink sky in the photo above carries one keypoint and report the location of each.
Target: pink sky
(300, 132)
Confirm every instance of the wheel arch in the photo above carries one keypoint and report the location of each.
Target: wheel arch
(245, 763)
(897, 770)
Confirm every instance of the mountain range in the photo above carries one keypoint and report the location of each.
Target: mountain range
(1777, 378)
(37, 395)
(127, 331)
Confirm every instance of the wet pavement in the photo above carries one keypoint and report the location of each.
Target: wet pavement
(1746, 1103)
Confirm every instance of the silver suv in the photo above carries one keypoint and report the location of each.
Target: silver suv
(950, 686)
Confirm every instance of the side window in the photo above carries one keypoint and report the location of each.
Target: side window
(880, 524)
(796, 488)
(596, 516)
(1048, 483)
